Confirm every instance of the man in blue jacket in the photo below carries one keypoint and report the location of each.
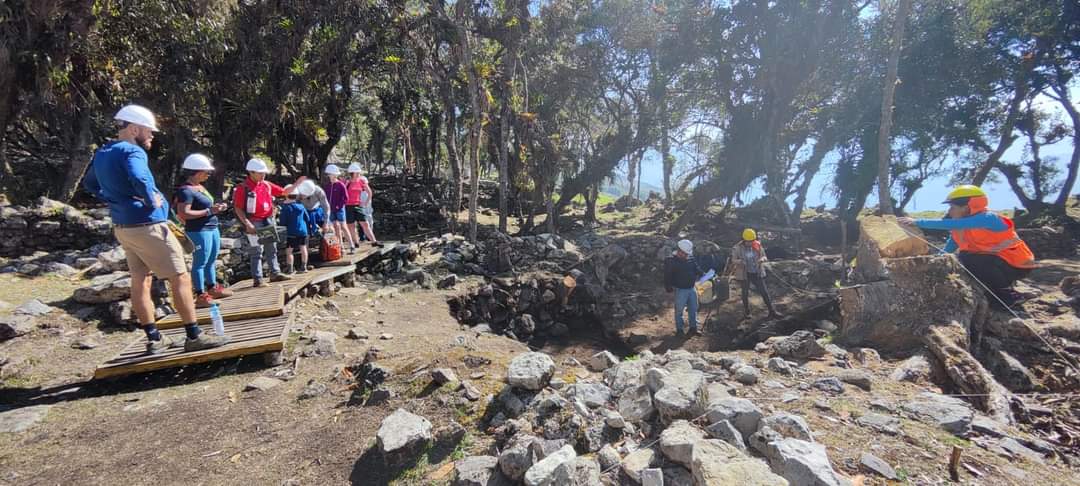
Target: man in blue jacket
(120, 176)
(681, 272)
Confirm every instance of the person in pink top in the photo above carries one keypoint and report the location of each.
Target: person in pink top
(358, 205)
(338, 194)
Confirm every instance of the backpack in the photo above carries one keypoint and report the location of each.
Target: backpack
(331, 247)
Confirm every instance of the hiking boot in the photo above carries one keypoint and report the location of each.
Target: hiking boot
(302, 270)
(694, 331)
(279, 277)
(203, 300)
(219, 292)
(775, 315)
(155, 347)
(258, 283)
(679, 333)
(205, 341)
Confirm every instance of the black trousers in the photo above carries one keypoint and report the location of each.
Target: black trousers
(759, 284)
(992, 270)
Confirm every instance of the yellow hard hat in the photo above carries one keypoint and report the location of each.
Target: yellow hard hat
(966, 190)
(749, 234)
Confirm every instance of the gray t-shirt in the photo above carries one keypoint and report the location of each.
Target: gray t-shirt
(750, 258)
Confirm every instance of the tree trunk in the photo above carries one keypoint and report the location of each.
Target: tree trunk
(591, 195)
(78, 156)
(887, 95)
(502, 155)
(475, 130)
(1005, 138)
(813, 165)
(1074, 161)
(454, 204)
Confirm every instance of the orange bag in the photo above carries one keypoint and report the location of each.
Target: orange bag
(331, 247)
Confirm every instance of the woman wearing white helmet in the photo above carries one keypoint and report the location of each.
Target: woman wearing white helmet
(314, 200)
(195, 206)
(355, 207)
(338, 195)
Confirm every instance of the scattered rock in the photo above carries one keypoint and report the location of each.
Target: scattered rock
(312, 390)
(448, 281)
(778, 365)
(614, 419)
(114, 260)
(516, 458)
(684, 396)
(678, 440)
(579, 471)
(950, 413)
(86, 343)
(443, 376)
(402, 431)
(470, 391)
(913, 369)
(829, 384)
(530, 371)
(716, 463)
(636, 462)
(726, 432)
(262, 384)
(866, 355)
(323, 343)
(591, 394)
(602, 361)
(747, 375)
(652, 477)
(803, 463)
(608, 457)
(1014, 449)
(15, 326)
(476, 471)
(34, 308)
(386, 336)
(654, 378)
(859, 378)
(788, 425)
(357, 333)
(104, 289)
(880, 423)
(742, 414)
(543, 473)
(875, 464)
(799, 345)
(20, 419)
(636, 405)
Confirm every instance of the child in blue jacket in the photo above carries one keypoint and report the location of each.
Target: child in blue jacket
(296, 219)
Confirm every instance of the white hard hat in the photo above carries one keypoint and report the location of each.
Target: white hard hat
(354, 167)
(138, 115)
(307, 188)
(257, 165)
(686, 246)
(197, 162)
(332, 170)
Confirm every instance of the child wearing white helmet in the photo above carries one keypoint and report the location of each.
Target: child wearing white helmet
(254, 206)
(195, 206)
(294, 217)
(338, 195)
(314, 200)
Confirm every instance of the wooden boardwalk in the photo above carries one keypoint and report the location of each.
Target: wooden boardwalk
(252, 336)
(254, 319)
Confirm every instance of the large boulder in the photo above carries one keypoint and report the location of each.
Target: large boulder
(402, 432)
(478, 471)
(517, 457)
(636, 405)
(104, 289)
(579, 471)
(717, 463)
(15, 326)
(894, 315)
(882, 237)
(799, 345)
(684, 396)
(624, 376)
(803, 463)
(114, 260)
(530, 371)
(950, 413)
(638, 461)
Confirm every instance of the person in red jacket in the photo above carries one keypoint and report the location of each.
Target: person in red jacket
(254, 206)
(987, 243)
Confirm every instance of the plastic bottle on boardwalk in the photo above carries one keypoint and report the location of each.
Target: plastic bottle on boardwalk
(215, 318)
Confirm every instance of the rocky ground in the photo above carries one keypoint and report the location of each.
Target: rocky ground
(393, 382)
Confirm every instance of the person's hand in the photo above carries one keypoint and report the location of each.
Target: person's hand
(906, 221)
(159, 200)
(249, 228)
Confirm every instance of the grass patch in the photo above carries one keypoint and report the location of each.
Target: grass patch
(632, 357)
(901, 474)
(462, 447)
(416, 473)
(828, 339)
(957, 441)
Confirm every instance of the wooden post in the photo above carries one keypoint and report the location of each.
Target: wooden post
(954, 463)
(349, 279)
(326, 288)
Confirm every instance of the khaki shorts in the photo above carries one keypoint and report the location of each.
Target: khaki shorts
(152, 249)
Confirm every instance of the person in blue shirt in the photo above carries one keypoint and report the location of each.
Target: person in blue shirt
(195, 206)
(120, 175)
(296, 219)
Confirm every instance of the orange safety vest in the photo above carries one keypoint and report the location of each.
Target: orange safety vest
(1005, 244)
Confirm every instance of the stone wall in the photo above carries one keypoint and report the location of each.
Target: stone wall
(51, 226)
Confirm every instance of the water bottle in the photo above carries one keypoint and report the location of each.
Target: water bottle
(215, 318)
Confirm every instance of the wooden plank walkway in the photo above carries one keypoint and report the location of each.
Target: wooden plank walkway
(246, 303)
(252, 336)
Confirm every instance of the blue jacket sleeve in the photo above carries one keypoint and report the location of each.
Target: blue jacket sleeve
(142, 181)
(91, 184)
(950, 246)
(984, 220)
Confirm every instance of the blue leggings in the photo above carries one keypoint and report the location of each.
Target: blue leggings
(204, 260)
